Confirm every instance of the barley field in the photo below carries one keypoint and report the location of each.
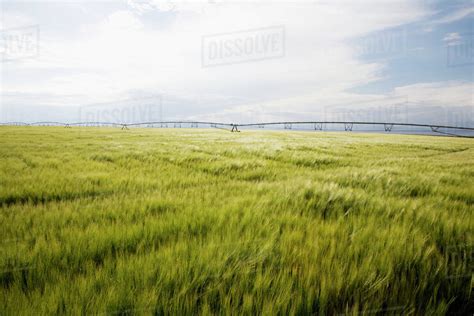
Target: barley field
(106, 221)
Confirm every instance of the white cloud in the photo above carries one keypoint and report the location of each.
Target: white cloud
(452, 38)
(451, 93)
(121, 49)
(14, 20)
(120, 21)
(418, 103)
(456, 15)
(125, 52)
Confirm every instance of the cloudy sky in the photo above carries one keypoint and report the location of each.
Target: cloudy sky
(237, 61)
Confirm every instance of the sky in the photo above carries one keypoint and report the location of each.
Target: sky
(237, 61)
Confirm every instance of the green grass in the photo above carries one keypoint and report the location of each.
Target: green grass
(181, 221)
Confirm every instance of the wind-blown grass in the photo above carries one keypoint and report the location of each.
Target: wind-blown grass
(156, 221)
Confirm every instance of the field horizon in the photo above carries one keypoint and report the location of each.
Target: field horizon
(202, 221)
